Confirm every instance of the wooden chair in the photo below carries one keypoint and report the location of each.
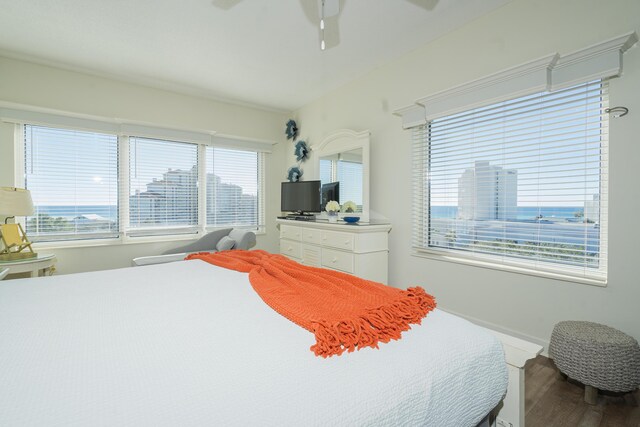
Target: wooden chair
(15, 241)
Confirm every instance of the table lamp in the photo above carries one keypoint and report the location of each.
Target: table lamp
(15, 202)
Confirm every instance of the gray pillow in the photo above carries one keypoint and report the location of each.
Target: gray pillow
(245, 239)
(206, 243)
(225, 244)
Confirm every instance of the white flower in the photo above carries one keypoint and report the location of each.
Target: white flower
(332, 206)
(349, 206)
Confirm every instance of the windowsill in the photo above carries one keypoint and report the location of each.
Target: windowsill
(438, 256)
(90, 243)
(127, 240)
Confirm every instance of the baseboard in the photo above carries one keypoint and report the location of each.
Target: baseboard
(502, 329)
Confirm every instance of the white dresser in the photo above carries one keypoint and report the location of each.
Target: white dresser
(359, 249)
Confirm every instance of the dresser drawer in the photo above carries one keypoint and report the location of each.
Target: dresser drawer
(337, 260)
(337, 239)
(310, 255)
(290, 232)
(290, 248)
(312, 235)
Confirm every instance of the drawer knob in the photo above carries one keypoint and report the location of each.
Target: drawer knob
(346, 242)
(334, 260)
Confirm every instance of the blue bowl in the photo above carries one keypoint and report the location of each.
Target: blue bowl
(351, 219)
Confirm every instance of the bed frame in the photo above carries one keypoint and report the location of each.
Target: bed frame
(510, 413)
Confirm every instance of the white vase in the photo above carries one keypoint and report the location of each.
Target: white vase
(333, 216)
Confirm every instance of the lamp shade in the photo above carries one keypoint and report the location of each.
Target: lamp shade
(15, 202)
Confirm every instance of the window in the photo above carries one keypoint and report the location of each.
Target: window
(73, 179)
(234, 180)
(519, 183)
(163, 187)
(128, 181)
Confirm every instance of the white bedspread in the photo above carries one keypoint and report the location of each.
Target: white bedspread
(191, 344)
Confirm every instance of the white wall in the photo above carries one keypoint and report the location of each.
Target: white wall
(520, 31)
(31, 85)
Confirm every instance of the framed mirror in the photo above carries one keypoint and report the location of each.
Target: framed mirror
(343, 169)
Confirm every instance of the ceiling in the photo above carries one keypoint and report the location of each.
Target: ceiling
(257, 52)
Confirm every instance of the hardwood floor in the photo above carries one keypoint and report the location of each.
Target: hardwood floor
(551, 400)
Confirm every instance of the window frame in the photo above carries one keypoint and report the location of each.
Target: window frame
(124, 236)
(21, 178)
(422, 225)
(260, 176)
(163, 230)
(600, 61)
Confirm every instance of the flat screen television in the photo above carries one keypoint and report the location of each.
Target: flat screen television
(300, 197)
(330, 191)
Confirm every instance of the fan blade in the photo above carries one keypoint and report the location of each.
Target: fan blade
(331, 7)
(425, 4)
(313, 9)
(225, 4)
(310, 11)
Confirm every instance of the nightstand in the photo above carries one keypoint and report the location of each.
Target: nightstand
(40, 265)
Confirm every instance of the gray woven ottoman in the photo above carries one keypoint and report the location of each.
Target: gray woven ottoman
(598, 356)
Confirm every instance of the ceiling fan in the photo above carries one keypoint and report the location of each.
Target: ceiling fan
(324, 13)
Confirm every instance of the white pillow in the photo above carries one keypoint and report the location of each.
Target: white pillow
(225, 244)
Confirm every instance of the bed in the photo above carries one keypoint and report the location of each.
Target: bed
(189, 343)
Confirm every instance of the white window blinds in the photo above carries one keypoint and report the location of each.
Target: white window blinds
(163, 187)
(350, 178)
(327, 174)
(348, 173)
(95, 184)
(519, 183)
(234, 186)
(73, 179)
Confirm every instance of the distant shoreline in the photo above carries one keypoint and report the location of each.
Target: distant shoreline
(524, 213)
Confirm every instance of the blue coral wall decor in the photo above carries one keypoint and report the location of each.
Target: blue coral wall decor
(292, 130)
(301, 151)
(294, 173)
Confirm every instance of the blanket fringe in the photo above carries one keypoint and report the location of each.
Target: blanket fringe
(380, 324)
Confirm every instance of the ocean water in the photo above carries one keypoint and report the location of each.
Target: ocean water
(524, 212)
(69, 212)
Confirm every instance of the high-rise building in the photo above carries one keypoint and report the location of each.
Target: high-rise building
(174, 200)
(227, 204)
(170, 200)
(592, 209)
(487, 192)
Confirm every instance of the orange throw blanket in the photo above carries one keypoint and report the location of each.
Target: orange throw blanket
(344, 312)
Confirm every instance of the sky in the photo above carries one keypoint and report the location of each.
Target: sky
(552, 141)
(64, 167)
